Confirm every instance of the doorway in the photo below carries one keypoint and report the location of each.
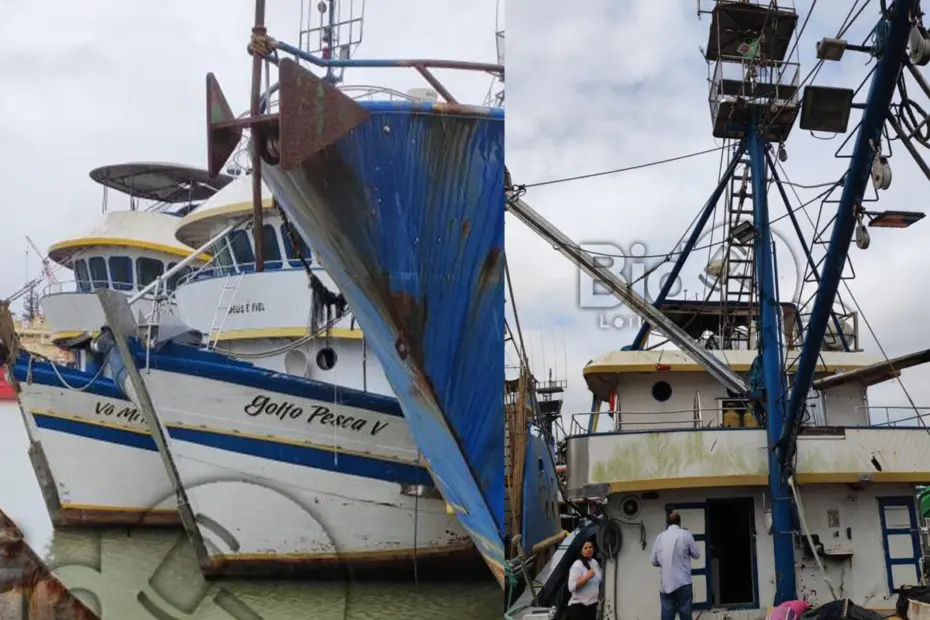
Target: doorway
(731, 553)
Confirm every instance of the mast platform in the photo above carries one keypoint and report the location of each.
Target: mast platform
(738, 25)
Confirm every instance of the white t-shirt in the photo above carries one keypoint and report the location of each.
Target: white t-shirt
(590, 591)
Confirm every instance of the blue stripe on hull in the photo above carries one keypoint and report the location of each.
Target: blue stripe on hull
(351, 464)
(88, 430)
(305, 456)
(407, 215)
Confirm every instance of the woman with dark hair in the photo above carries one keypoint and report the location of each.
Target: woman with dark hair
(584, 582)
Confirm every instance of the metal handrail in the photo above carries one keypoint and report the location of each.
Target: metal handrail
(703, 417)
(422, 66)
(922, 419)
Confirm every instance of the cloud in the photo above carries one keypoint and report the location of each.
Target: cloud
(610, 84)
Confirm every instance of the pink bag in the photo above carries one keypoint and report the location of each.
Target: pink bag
(789, 610)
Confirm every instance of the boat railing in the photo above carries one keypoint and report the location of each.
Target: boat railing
(692, 418)
(423, 66)
(896, 417)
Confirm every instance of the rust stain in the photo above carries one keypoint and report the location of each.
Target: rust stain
(466, 227)
(490, 269)
(459, 560)
(28, 589)
(85, 517)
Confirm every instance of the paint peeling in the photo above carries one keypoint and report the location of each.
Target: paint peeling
(378, 209)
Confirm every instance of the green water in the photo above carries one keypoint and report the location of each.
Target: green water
(154, 575)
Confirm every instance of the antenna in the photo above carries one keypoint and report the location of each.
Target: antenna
(497, 99)
(338, 33)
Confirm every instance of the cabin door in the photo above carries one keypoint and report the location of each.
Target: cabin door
(694, 519)
(901, 541)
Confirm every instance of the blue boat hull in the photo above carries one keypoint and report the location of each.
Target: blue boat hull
(406, 213)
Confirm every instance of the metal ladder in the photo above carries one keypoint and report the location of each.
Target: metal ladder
(738, 271)
(222, 311)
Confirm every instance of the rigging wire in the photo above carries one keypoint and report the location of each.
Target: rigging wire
(625, 169)
(671, 253)
(878, 343)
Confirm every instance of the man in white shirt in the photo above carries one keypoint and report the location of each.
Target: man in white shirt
(672, 553)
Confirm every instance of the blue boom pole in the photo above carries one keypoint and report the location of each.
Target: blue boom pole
(689, 245)
(893, 46)
(773, 376)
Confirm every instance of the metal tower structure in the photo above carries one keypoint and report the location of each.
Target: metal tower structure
(755, 100)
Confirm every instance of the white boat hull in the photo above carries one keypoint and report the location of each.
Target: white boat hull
(299, 484)
(101, 457)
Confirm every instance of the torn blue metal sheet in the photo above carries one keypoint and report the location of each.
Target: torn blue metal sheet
(406, 214)
(540, 513)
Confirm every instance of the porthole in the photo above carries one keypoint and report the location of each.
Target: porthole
(326, 358)
(661, 391)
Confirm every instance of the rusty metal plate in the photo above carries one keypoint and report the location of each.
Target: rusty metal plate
(222, 135)
(313, 114)
(28, 589)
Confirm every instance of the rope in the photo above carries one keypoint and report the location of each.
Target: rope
(54, 366)
(261, 44)
(880, 35)
(807, 534)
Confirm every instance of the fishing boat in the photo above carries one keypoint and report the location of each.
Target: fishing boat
(401, 201)
(753, 421)
(91, 451)
(312, 423)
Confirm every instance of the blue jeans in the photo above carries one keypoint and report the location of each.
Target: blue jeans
(678, 602)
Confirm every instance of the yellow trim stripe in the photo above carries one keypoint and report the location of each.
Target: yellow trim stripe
(87, 242)
(237, 208)
(69, 334)
(342, 333)
(758, 480)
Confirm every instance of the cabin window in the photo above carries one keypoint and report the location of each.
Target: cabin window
(121, 272)
(270, 247)
(661, 391)
(222, 257)
(242, 249)
(177, 277)
(292, 256)
(98, 273)
(148, 270)
(81, 277)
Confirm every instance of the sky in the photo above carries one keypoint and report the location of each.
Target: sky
(96, 83)
(621, 83)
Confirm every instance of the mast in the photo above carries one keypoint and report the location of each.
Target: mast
(754, 101)
(849, 212)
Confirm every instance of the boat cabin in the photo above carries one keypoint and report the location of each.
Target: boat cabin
(664, 435)
(126, 250)
(260, 316)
